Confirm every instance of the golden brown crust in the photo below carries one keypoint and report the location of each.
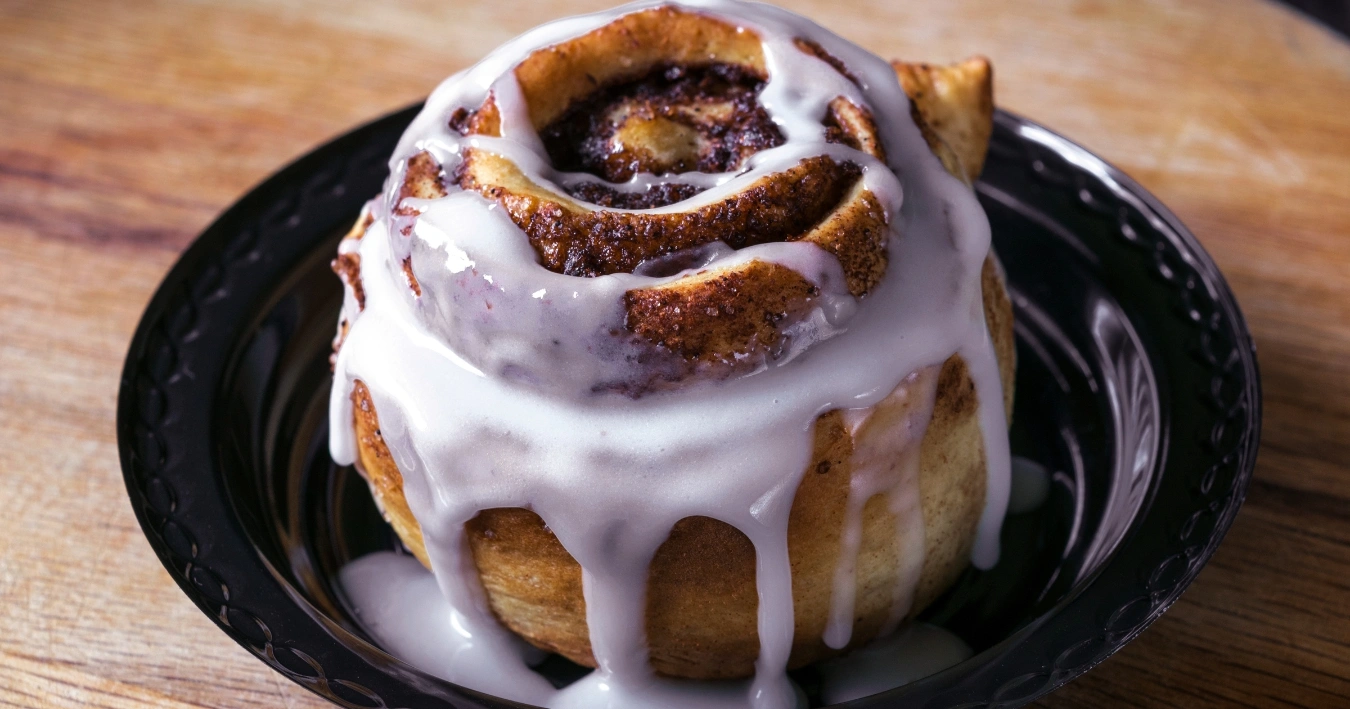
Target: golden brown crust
(379, 469)
(348, 267)
(721, 311)
(957, 102)
(422, 180)
(552, 79)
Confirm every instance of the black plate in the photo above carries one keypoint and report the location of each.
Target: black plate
(1137, 386)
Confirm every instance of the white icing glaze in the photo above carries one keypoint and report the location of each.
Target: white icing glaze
(486, 384)
(907, 656)
(400, 603)
(1030, 486)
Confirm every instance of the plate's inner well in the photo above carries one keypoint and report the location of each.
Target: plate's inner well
(1137, 391)
(1087, 411)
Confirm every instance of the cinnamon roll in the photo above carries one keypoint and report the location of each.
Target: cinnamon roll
(675, 346)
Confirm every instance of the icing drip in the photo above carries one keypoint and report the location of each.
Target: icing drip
(876, 470)
(490, 381)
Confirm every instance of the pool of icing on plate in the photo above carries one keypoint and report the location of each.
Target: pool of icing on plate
(401, 606)
(485, 383)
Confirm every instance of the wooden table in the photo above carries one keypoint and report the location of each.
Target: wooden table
(124, 128)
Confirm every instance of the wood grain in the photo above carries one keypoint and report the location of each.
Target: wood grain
(125, 127)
